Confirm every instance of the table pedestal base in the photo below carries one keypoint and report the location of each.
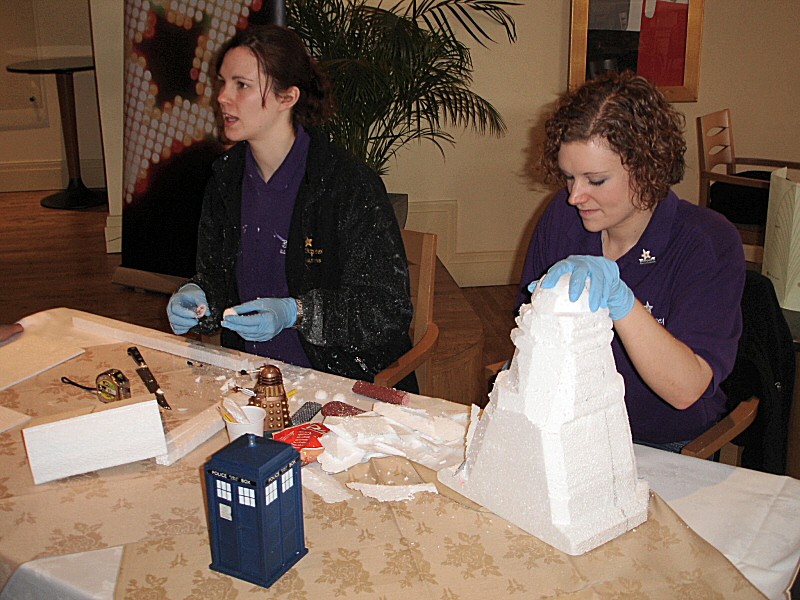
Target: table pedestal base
(75, 197)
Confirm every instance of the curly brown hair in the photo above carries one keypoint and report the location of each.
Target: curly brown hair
(286, 62)
(636, 122)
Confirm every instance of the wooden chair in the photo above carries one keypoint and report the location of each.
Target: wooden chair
(421, 254)
(746, 383)
(724, 431)
(741, 196)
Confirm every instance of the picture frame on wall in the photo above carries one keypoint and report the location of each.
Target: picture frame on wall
(658, 39)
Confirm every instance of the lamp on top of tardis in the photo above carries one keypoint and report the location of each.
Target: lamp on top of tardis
(255, 509)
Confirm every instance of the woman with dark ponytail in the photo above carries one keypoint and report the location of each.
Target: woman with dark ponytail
(299, 256)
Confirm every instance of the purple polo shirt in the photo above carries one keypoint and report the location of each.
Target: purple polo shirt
(267, 208)
(688, 270)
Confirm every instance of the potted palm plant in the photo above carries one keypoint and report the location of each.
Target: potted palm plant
(400, 72)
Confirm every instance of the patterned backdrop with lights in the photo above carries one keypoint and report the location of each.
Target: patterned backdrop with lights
(170, 125)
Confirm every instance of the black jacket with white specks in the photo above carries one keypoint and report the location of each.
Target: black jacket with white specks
(345, 260)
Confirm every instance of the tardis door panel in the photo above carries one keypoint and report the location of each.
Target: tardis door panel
(291, 513)
(222, 514)
(228, 548)
(272, 527)
(250, 555)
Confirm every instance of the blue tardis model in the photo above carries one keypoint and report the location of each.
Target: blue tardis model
(255, 509)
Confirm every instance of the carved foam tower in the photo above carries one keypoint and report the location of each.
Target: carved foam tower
(552, 451)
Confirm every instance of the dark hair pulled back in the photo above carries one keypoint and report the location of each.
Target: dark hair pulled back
(284, 60)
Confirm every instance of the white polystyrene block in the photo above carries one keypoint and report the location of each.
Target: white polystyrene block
(171, 344)
(29, 355)
(556, 426)
(87, 440)
(189, 435)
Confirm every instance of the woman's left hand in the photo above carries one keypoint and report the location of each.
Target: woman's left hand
(262, 319)
(606, 289)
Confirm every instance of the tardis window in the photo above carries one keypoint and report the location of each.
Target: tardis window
(287, 480)
(223, 490)
(271, 492)
(247, 496)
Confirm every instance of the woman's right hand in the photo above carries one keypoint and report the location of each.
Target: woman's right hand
(606, 288)
(185, 308)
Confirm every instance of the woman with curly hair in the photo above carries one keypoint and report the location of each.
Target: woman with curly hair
(670, 273)
(299, 254)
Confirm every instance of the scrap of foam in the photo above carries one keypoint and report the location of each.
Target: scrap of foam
(339, 454)
(433, 441)
(392, 493)
(552, 452)
(324, 485)
(436, 429)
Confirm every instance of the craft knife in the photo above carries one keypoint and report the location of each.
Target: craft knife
(147, 377)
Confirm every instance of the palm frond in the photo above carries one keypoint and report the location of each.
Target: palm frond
(399, 72)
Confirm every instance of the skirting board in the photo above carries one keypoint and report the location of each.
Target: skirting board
(22, 176)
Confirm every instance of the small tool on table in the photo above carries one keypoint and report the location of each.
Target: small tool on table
(110, 386)
(147, 377)
(306, 412)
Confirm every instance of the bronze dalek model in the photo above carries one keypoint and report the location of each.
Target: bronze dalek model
(271, 396)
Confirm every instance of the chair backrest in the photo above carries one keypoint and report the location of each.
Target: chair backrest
(762, 383)
(715, 147)
(715, 141)
(421, 254)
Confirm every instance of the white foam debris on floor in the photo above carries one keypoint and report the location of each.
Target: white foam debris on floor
(392, 493)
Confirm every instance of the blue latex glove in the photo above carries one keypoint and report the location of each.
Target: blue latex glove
(262, 319)
(182, 307)
(606, 289)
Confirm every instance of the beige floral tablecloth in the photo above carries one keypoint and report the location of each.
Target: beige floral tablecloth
(438, 548)
(433, 546)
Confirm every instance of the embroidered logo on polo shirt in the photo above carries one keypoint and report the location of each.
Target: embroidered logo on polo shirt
(283, 242)
(649, 308)
(313, 255)
(646, 258)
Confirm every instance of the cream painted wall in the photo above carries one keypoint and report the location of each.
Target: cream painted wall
(32, 159)
(479, 199)
(482, 199)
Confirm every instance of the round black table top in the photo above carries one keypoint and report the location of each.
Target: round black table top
(65, 64)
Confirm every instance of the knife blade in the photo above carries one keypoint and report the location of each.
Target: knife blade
(147, 377)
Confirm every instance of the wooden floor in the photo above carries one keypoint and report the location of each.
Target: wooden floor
(51, 258)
